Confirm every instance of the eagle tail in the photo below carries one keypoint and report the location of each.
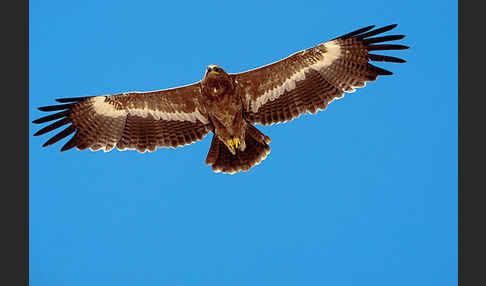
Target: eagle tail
(256, 151)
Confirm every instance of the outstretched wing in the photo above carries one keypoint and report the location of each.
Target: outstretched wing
(135, 120)
(309, 80)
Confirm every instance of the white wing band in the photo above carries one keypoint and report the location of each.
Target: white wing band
(333, 52)
(106, 109)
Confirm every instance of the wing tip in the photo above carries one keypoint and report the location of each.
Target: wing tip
(56, 107)
(386, 47)
(45, 108)
(355, 32)
(382, 58)
(51, 117)
(71, 99)
(368, 31)
(61, 135)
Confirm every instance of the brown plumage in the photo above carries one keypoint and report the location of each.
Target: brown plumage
(227, 104)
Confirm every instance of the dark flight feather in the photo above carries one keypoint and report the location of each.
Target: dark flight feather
(354, 33)
(56, 107)
(71, 99)
(51, 117)
(53, 126)
(386, 47)
(378, 31)
(70, 129)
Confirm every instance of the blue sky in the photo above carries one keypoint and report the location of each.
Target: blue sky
(363, 193)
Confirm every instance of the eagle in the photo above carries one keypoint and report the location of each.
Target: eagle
(228, 105)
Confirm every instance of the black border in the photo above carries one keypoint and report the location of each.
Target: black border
(471, 141)
(15, 179)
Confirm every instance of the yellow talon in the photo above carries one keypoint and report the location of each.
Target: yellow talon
(230, 144)
(233, 143)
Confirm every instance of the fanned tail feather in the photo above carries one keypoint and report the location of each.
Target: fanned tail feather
(223, 161)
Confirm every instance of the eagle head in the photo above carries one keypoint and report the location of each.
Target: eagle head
(214, 72)
(217, 81)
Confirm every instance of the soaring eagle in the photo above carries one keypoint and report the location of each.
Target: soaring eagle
(226, 104)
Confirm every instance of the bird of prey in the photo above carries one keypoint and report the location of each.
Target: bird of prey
(229, 105)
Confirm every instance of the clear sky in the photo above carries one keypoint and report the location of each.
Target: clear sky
(363, 193)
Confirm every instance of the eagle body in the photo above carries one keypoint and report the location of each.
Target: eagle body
(224, 108)
(223, 104)
(228, 105)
